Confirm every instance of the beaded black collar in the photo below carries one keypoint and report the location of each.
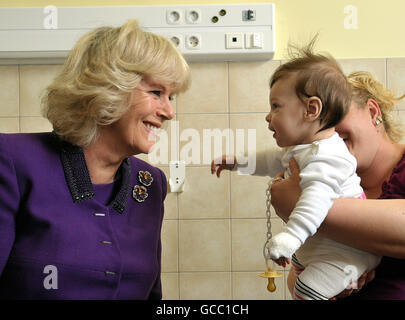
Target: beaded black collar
(78, 177)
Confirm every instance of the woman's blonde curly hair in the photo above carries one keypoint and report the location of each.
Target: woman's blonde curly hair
(95, 85)
(365, 87)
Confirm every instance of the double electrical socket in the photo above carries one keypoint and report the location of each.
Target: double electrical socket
(192, 41)
(175, 16)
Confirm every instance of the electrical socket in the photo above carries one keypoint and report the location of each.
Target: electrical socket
(193, 42)
(174, 16)
(176, 39)
(193, 16)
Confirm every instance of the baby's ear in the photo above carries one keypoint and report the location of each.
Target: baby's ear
(313, 109)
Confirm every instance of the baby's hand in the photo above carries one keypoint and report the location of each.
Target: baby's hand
(283, 245)
(282, 261)
(223, 163)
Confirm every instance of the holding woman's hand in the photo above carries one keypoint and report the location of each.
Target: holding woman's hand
(285, 193)
(365, 278)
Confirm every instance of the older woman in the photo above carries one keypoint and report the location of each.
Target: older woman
(372, 136)
(80, 218)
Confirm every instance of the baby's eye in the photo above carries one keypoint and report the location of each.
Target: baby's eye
(171, 98)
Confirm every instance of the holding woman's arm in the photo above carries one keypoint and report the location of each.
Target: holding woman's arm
(372, 225)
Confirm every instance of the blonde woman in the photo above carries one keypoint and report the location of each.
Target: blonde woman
(80, 218)
(372, 133)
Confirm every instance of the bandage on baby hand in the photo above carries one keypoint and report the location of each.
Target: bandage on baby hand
(283, 245)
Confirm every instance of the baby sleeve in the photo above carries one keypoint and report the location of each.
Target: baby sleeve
(266, 163)
(321, 181)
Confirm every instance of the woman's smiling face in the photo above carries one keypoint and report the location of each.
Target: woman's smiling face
(151, 107)
(358, 131)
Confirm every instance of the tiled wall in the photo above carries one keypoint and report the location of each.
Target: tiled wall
(213, 232)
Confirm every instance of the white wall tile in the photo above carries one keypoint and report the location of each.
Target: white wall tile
(9, 91)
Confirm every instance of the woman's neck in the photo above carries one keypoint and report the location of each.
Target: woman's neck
(380, 170)
(103, 161)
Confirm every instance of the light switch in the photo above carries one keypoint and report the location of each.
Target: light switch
(254, 40)
(257, 41)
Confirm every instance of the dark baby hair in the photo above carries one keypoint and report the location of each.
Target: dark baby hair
(317, 75)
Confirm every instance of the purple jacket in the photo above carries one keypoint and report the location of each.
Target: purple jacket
(63, 238)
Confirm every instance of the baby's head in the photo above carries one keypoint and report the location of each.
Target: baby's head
(316, 83)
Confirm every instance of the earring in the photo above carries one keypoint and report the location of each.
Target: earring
(379, 120)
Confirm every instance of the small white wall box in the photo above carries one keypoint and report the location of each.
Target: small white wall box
(177, 176)
(229, 32)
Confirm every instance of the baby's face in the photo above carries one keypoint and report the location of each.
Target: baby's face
(286, 117)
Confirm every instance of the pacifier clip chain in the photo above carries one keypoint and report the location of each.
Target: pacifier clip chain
(270, 273)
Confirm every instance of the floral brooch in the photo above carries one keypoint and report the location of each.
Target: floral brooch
(145, 178)
(140, 193)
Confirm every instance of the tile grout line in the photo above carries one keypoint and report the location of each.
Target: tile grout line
(178, 210)
(178, 214)
(230, 191)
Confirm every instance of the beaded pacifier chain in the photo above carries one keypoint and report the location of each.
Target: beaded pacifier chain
(270, 274)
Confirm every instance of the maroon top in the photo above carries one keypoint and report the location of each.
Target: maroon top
(389, 281)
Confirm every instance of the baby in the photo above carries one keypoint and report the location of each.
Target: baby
(309, 96)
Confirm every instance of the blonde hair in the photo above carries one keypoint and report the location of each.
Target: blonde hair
(365, 87)
(95, 85)
(317, 75)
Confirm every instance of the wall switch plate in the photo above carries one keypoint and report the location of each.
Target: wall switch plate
(253, 40)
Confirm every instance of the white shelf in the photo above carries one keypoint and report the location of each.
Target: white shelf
(24, 39)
